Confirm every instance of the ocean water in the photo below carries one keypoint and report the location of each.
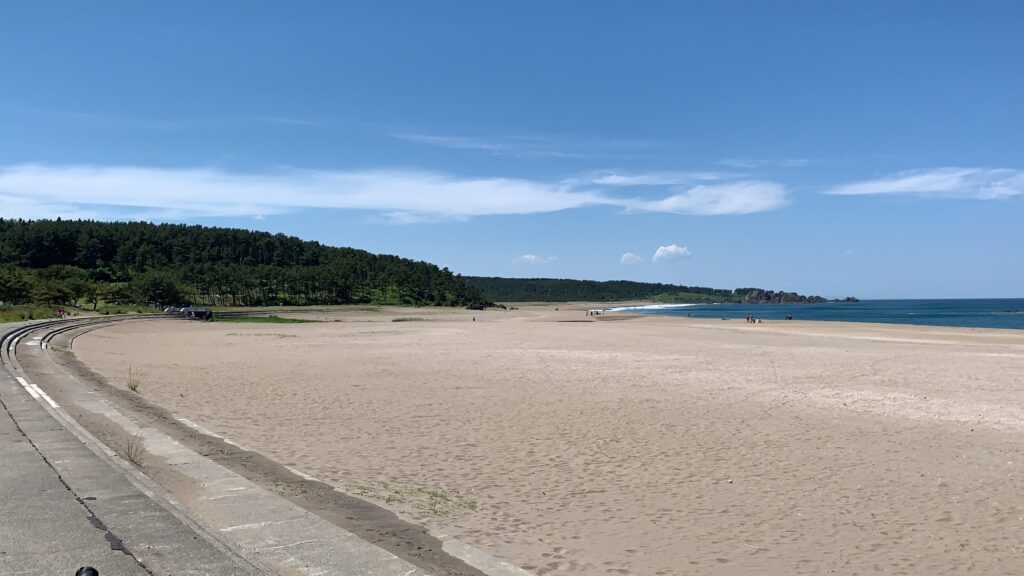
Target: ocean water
(986, 313)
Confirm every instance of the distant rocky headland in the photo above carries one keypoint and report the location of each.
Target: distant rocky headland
(759, 296)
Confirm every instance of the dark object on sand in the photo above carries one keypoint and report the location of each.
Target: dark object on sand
(195, 313)
(87, 571)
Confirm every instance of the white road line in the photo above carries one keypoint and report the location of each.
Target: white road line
(35, 391)
(28, 387)
(45, 396)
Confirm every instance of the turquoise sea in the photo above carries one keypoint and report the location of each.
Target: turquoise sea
(982, 313)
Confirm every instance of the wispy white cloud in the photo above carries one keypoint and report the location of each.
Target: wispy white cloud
(743, 197)
(670, 253)
(654, 178)
(533, 259)
(629, 259)
(748, 162)
(19, 206)
(212, 192)
(948, 182)
(400, 196)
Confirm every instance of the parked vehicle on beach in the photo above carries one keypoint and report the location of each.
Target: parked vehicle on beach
(191, 313)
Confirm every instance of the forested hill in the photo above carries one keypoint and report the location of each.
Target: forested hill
(67, 262)
(560, 290)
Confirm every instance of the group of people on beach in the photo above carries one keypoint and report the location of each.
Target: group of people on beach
(751, 319)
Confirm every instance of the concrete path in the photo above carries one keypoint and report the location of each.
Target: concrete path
(63, 506)
(45, 528)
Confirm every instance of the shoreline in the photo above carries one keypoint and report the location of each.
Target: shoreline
(1011, 319)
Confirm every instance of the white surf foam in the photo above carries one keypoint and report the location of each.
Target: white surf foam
(650, 307)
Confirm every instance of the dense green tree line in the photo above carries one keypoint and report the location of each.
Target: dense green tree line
(563, 290)
(65, 262)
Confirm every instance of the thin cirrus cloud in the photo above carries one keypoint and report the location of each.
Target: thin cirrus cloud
(629, 259)
(655, 178)
(533, 259)
(670, 253)
(948, 182)
(742, 197)
(400, 196)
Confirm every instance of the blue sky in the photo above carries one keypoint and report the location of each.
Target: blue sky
(866, 148)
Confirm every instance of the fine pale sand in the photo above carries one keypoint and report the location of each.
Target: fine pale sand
(631, 446)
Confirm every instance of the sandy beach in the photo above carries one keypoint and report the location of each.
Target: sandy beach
(626, 445)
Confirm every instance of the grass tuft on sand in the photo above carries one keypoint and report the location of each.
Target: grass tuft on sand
(435, 502)
(134, 378)
(134, 450)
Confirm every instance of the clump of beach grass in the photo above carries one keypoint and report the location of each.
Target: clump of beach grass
(444, 502)
(134, 381)
(435, 502)
(134, 450)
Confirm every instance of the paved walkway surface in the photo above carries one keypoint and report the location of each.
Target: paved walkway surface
(63, 506)
(45, 528)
